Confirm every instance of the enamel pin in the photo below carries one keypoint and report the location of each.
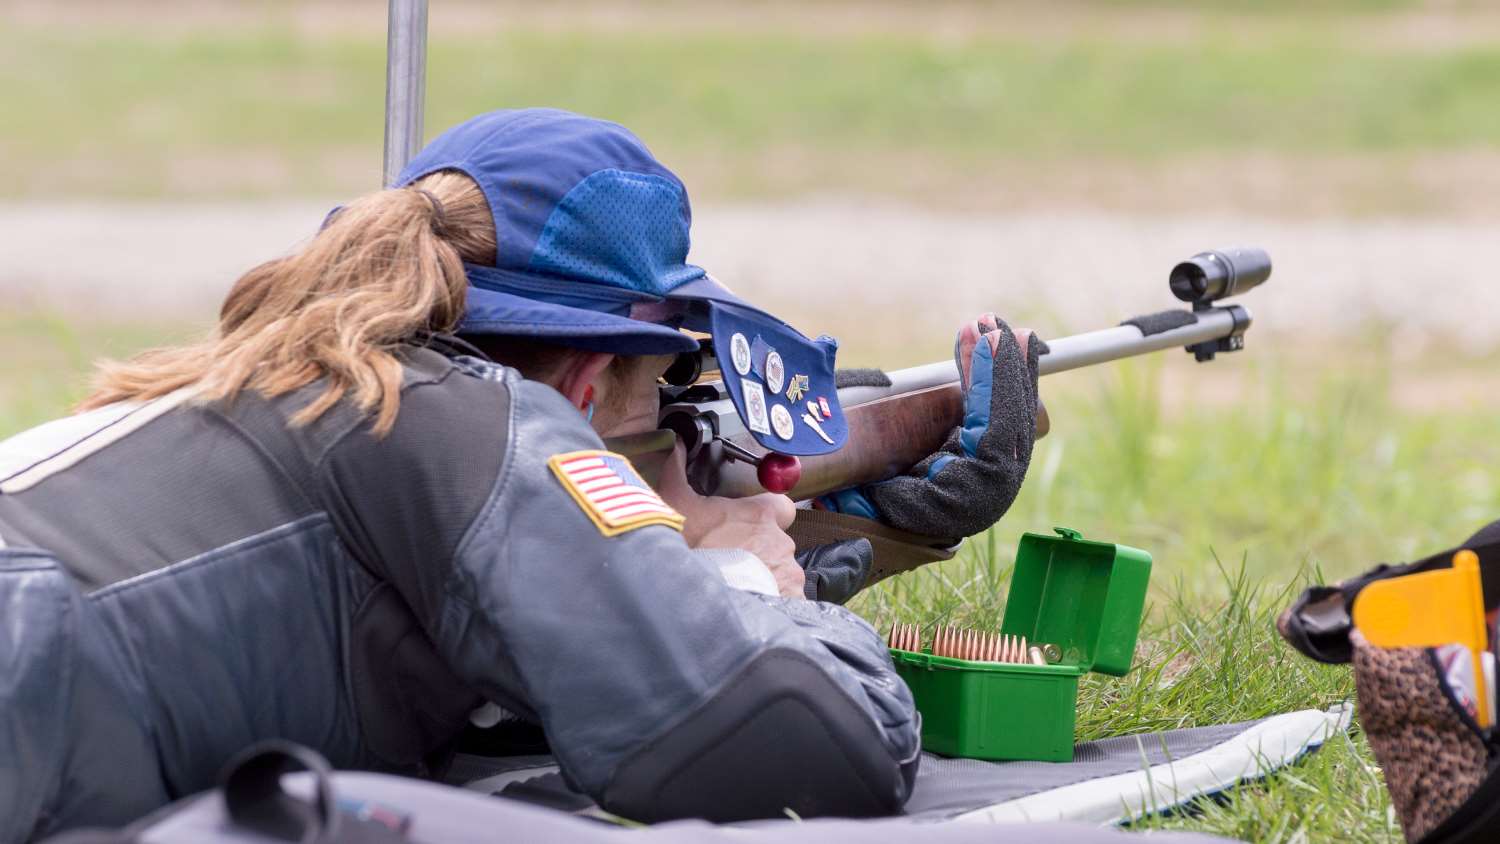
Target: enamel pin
(781, 420)
(818, 429)
(775, 372)
(739, 353)
(798, 388)
(756, 417)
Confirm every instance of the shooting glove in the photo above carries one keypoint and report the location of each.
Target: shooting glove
(837, 570)
(969, 484)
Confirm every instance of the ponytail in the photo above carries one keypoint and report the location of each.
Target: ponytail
(383, 269)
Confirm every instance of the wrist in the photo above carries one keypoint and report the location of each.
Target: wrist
(850, 502)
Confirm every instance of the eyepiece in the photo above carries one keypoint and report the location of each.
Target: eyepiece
(1210, 276)
(685, 370)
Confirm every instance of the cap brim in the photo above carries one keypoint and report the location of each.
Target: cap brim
(705, 289)
(490, 312)
(777, 415)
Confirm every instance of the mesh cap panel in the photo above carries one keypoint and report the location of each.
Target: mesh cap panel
(626, 230)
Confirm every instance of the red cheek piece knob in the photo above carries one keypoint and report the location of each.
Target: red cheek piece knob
(778, 473)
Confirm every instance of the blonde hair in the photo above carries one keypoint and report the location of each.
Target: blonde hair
(387, 267)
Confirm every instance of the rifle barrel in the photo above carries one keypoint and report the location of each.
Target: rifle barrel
(1074, 352)
(884, 439)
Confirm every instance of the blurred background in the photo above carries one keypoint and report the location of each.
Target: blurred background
(880, 171)
(1049, 160)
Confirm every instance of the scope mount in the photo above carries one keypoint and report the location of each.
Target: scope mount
(1233, 342)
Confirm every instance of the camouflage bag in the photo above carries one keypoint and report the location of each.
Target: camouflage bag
(1417, 706)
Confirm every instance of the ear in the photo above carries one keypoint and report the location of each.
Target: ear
(578, 381)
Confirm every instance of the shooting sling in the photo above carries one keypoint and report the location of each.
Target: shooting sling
(896, 551)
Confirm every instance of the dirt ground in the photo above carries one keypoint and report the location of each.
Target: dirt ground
(892, 281)
(830, 264)
(1434, 24)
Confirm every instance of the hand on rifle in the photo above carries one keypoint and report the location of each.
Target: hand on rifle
(969, 484)
(756, 524)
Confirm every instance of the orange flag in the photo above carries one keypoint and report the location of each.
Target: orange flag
(1427, 610)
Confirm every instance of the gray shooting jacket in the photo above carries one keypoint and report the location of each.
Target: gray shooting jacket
(181, 579)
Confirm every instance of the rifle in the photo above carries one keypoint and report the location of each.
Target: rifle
(892, 428)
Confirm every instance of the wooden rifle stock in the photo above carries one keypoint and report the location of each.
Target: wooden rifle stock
(886, 437)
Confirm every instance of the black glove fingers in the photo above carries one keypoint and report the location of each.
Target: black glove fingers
(1034, 351)
(1031, 362)
(1012, 402)
(966, 497)
(1028, 377)
(1007, 338)
(1008, 373)
(836, 571)
(1038, 348)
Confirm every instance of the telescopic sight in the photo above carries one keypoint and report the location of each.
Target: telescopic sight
(1210, 276)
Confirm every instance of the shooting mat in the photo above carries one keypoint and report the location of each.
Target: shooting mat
(1110, 781)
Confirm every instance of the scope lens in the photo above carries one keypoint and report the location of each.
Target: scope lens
(685, 370)
(1188, 281)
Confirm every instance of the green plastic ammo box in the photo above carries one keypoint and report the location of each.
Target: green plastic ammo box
(1085, 597)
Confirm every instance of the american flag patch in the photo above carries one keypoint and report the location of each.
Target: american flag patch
(610, 493)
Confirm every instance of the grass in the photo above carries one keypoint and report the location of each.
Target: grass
(1241, 505)
(48, 359)
(1316, 474)
(271, 110)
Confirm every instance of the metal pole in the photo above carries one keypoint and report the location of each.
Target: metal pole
(405, 84)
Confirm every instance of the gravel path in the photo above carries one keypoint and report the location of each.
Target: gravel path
(864, 271)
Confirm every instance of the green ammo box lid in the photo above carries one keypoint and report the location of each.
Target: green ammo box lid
(1086, 598)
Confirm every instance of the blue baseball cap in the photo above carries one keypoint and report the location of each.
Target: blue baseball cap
(592, 244)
